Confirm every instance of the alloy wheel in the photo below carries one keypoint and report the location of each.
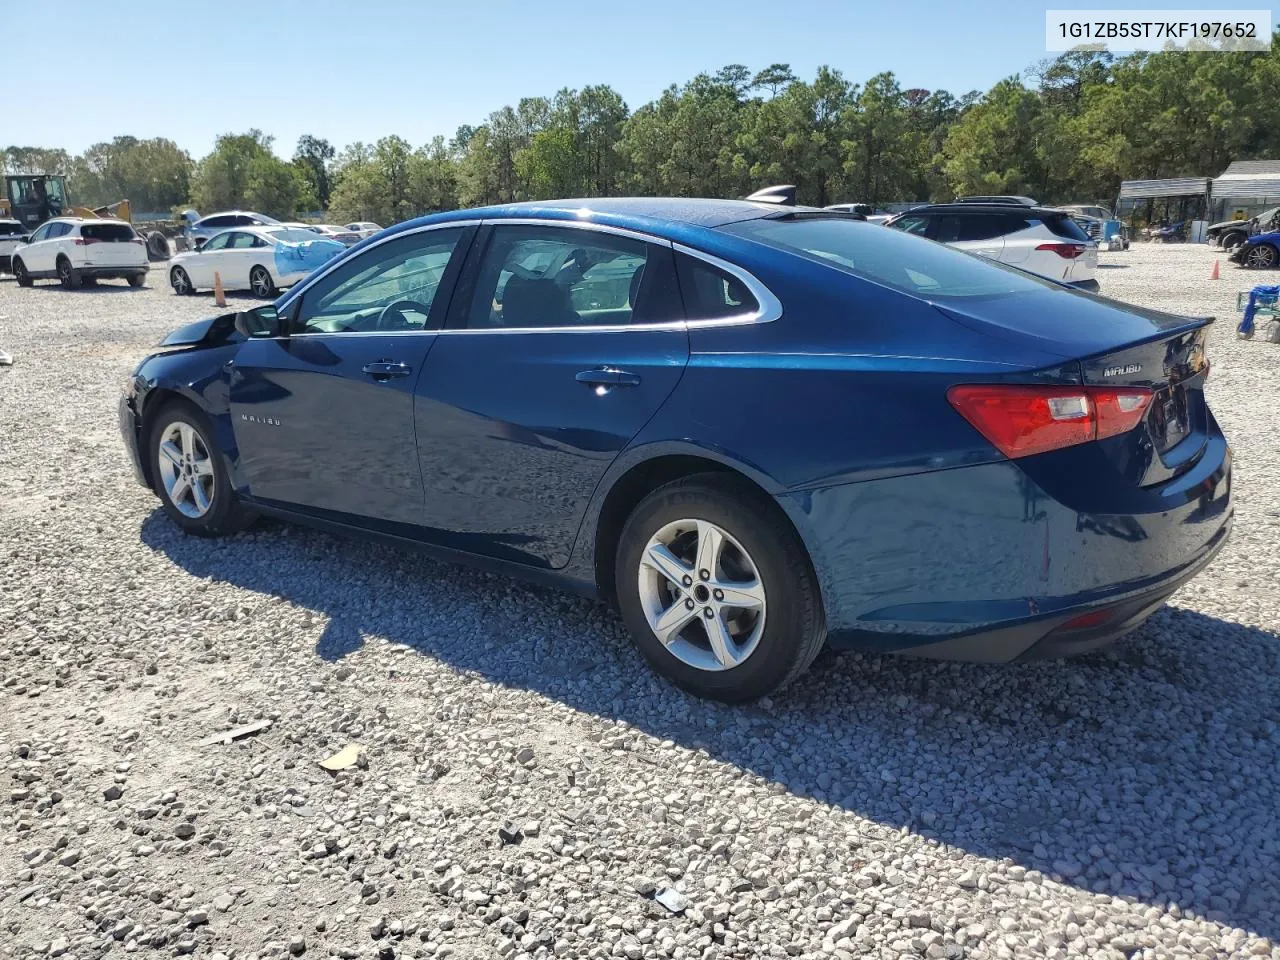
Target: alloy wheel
(260, 283)
(186, 469)
(702, 595)
(1261, 256)
(180, 281)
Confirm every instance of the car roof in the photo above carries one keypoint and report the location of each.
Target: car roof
(973, 208)
(667, 217)
(236, 213)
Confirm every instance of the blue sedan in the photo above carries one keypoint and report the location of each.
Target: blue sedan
(753, 428)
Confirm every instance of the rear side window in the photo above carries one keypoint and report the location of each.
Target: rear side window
(889, 257)
(956, 228)
(710, 293)
(108, 232)
(1066, 228)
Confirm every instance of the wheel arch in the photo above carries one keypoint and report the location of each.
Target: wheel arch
(637, 474)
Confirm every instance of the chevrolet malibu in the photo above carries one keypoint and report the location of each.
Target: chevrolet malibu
(754, 429)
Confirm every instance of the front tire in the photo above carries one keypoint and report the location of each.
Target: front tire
(189, 475)
(717, 590)
(1261, 257)
(261, 284)
(21, 275)
(180, 282)
(68, 275)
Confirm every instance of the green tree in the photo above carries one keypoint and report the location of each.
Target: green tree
(243, 172)
(313, 157)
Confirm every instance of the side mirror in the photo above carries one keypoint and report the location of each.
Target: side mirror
(258, 322)
(200, 242)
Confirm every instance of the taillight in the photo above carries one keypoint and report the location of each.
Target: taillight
(85, 241)
(1020, 420)
(1067, 251)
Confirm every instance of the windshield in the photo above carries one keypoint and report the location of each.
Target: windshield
(891, 257)
(291, 235)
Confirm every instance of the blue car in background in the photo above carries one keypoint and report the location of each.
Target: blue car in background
(753, 428)
(1259, 252)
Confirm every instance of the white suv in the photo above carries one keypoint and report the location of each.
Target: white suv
(75, 251)
(1036, 239)
(11, 234)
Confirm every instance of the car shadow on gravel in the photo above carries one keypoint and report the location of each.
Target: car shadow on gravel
(1149, 771)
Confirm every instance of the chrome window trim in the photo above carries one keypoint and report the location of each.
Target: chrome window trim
(769, 307)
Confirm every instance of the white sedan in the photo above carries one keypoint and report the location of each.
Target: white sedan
(364, 228)
(258, 259)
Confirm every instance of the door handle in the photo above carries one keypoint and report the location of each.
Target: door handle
(383, 370)
(608, 377)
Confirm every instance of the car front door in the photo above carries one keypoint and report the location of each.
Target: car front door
(210, 259)
(562, 343)
(323, 414)
(33, 254)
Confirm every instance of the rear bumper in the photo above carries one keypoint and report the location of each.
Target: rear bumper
(1089, 285)
(979, 563)
(114, 273)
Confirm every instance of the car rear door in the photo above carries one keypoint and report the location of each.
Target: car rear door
(562, 343)
(324, 416)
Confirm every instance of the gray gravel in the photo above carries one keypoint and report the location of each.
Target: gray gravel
(525, 788)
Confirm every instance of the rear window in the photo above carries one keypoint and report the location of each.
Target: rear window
(1066, 228)
(890, 257)
(108, 232)
(10, 229)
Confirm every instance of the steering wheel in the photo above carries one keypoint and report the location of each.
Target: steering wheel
(397, 309)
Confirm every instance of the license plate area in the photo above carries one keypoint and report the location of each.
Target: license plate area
(1169, 420)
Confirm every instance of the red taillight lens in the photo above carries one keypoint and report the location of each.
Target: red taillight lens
(1020, 421)
(1067, 251)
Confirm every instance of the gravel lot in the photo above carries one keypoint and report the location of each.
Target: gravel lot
(525, 784)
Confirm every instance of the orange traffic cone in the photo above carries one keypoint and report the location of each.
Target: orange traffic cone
(220, 299)
(1214, 275)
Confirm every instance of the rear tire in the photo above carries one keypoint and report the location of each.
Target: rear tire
(21, 275)
(770, 639)
(68, 275)
(261, 284)
(180, 282)
(189, 474)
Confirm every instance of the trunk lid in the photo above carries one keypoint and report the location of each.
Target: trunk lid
(112, 245)
(1117, 345)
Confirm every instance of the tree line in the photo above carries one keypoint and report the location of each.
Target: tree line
(1069, 129)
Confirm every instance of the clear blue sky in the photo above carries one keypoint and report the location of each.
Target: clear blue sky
(362, 69)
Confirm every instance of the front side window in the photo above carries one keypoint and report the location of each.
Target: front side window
(219, 242)
(41, 234)
(912, 224)
(538, 277)
(889, 257)
(215, 223)
(391, 287)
